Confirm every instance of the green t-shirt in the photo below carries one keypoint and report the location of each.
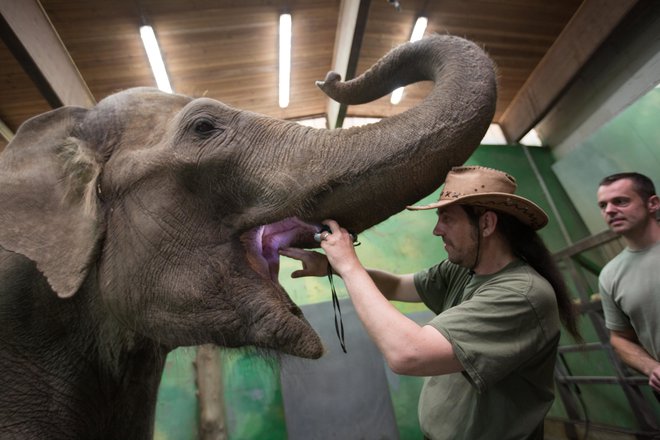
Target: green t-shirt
(630, 294)
(504, 329)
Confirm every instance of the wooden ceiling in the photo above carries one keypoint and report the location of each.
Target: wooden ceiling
(227, 49)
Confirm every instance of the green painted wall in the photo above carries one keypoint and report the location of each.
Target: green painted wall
(629, 142)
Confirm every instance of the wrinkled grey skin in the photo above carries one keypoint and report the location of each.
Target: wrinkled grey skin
(152, 221)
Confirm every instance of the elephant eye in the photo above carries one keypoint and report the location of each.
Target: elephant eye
(206, 127)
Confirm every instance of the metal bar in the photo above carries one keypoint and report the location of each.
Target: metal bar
(586, 244)
(588, 346)
(604, 379)
(548, 196)
(566, 390)
(580, 281)
(31, 37)
(607, 430)
(353, 22)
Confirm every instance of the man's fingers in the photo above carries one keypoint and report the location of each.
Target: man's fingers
(293, 252)
(333, 225)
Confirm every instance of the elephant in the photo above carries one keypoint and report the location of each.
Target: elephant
(153, 221)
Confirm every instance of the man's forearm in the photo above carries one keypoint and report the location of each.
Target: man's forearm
(394, 287)
(634, 355)
(386, 282)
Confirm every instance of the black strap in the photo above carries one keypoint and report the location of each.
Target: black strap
(339, 327)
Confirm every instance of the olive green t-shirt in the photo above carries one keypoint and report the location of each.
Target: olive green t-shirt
(504, 329)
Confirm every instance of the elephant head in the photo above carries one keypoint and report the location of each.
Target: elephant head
(166, 212)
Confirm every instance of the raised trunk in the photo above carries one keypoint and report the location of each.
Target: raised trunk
(401, 159)
(361, 176)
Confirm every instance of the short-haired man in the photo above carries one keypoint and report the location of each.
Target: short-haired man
(630, 283)
(499, 299)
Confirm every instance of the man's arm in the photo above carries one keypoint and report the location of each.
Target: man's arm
(407, 347)
(395, 287)
(627, 346)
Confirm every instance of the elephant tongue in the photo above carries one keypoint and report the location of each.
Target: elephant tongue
(269, 239)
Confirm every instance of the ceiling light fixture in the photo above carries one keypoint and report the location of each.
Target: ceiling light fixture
(417, 34)
(285, 59)
(155, 58)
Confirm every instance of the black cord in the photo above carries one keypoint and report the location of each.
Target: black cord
(339, 326)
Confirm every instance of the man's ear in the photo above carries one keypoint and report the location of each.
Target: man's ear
(653, 204)
(488, 223)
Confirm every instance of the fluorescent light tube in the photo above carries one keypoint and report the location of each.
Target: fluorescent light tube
(285, 59)
(419, 29)
(531, 139)
(417, 34)
(155, 59)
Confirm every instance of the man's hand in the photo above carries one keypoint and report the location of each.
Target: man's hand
(339, 249)
(654, 379)
(314, 264)
(627, 346)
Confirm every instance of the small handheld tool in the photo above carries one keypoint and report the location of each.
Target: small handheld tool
(326, 228)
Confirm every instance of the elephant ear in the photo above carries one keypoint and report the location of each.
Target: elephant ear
(49, 211)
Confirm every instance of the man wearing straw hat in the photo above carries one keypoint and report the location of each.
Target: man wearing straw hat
(489, 354)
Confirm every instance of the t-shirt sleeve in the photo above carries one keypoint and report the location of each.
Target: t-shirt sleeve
(615, 319)
(430, 285)
(496, 331)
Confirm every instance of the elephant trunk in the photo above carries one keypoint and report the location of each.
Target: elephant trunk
(356, 175)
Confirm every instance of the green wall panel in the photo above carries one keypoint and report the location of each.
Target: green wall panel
(627, 143)
(253, 398)
(176, 412)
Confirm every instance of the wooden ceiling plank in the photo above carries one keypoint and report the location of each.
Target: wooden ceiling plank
(33, 29)
(583, 34)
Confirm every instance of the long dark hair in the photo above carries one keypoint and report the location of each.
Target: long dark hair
(527, 245)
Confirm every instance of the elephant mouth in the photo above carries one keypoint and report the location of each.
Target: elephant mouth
(263, 244)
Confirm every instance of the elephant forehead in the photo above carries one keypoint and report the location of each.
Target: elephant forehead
(143, 96)
(209, 108)
(137, 110)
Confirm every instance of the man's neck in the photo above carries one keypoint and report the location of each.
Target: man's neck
(644, 237)
(495, 255)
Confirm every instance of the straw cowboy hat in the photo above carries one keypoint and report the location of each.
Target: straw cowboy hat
(487, 188)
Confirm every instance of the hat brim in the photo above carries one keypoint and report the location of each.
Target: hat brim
(523, 209)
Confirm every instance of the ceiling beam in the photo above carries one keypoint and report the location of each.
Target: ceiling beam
(585, 32)
(348, 41)
(29, 34)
